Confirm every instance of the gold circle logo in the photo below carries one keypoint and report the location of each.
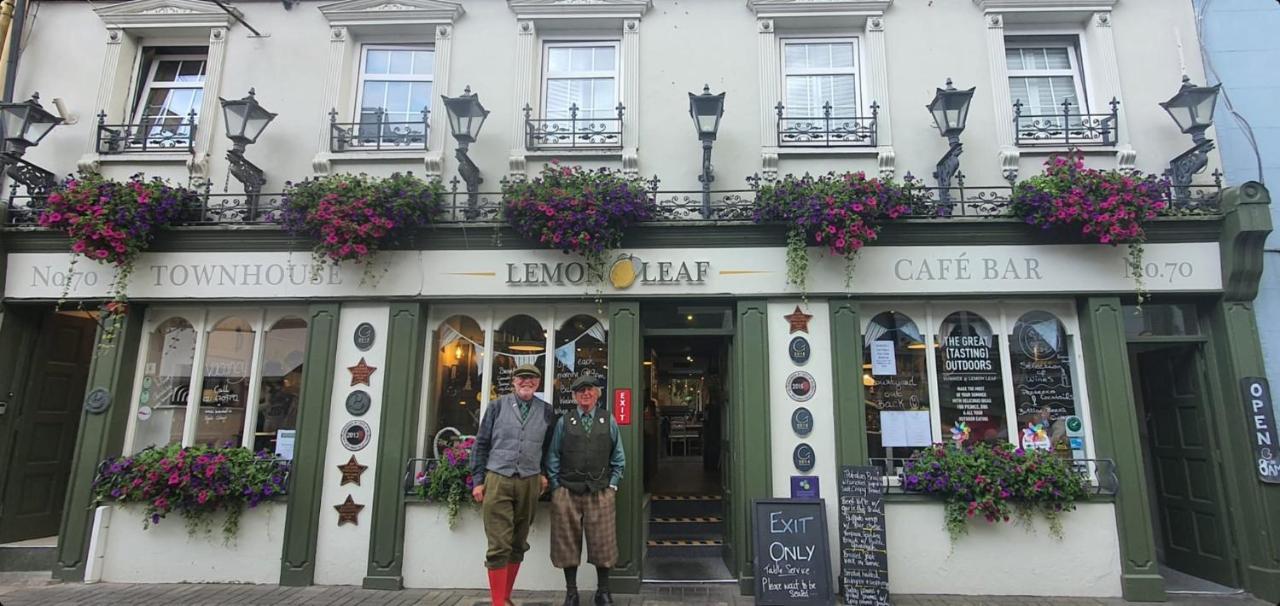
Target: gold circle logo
(624, 271)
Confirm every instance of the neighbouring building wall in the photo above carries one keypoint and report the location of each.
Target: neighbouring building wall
(1241, 50)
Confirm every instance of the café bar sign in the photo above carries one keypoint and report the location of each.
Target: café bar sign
(747, 271)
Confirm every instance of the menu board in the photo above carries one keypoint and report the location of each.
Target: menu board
(791, 562)
(864, 553)
(1044, 396)
(970, 390)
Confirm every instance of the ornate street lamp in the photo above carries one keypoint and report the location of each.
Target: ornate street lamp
(466, 116)
(950, 110)
(1192, 109)
(245, 120)
(706, 110)
(24, 124)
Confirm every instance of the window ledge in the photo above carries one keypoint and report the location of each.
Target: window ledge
(607, 154)
(377, 155)
(1064, 149)
(827, 151)
(142, 158)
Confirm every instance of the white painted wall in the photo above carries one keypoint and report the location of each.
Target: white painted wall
(1003, 559)
(342, 552)
(164, 553)
(436, 556)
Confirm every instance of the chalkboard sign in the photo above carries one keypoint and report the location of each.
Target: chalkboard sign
(969, 380)
(791, 562)
(864, 555)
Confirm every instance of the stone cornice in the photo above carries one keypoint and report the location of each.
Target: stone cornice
(163, 13)
(391, 12)
(1010, 6)
(796, 8)
(533, 9)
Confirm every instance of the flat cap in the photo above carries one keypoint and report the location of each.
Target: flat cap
(585, 379)
(527, 370)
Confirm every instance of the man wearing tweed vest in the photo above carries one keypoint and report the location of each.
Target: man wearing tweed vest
(585, 465)
(507, 470)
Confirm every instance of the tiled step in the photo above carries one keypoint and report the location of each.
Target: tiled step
(27, 558)
(678, 506)
(684, 547)
(687, 527)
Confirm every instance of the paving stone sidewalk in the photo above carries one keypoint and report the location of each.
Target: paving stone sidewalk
(29, 592)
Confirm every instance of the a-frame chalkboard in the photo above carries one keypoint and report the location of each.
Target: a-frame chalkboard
(792, 563)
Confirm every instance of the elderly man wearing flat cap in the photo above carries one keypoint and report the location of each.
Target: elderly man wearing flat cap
(585, 465)
(507, 470)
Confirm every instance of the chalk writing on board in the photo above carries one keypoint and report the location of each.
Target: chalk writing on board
(864, 558)
(791, 557)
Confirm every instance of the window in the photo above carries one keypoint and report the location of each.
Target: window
(580, 347)
(579, 97)
(520, 340)
(395, 95)
(974, 387)
(459, 379)
(1047, 86)
(169, 99)
(213, 377)
(821, 101)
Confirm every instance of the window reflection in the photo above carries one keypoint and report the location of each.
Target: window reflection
(283, 352)
(459, 358)
(1044, 394)
(166, 384)
(520, 340)
(580, 346)
(896, 387)
(225, 386)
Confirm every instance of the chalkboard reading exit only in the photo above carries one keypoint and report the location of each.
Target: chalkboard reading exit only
(792, 564)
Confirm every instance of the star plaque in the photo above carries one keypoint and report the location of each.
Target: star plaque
(348, 512)
(361, 372)
(798, 319)
(352, 471)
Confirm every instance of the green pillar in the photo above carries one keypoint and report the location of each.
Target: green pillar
(1115, 429)
(406, 341)
(751, 472)
(1235, 353)
(302, 524)
(846, 368)
(100, 436)
(624, 373)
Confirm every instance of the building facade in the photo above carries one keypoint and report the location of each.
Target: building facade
(233, 335)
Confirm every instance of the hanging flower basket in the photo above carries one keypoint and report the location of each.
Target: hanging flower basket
(196, 482)
(447, 480)
(842, 212)
(112, 223)
(1106, 207)
(576, 210)
(352, 217)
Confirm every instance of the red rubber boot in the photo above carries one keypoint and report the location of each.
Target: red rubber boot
(512, 570)
(498, 586)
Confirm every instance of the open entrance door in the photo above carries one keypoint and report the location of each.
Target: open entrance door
(41, 418)
(1187, 503)
(686, 395)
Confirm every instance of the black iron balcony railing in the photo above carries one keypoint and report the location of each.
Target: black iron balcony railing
(827, 130)
(1099, 474)
(169, 134)
(374, 132)
(574, 132)
(1068, 127)
(671, 205)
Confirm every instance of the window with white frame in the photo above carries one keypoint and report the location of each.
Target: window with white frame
(821, 98)
(997, 373)
(220, 376)
(395, 85)
(579, 96)
(1047, 88)
(170, 97)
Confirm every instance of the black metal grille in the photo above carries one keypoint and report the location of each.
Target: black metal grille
(169, 134)
(574, 132)
(827, 130)
(1066, 128)
(376, 133)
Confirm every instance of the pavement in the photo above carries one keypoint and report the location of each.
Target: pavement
(28, 589)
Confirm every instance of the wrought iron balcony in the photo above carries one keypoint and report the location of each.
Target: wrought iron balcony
(169, 134)
(1066, 128)
(574, 132)
(376, 133)
(827, 130)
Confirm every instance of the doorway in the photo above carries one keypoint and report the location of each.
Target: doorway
(686, 407)
(1183, 475)
(50, 353)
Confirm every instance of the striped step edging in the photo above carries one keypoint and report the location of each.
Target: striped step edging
(684, 542)
(688, 520)
(683, 497)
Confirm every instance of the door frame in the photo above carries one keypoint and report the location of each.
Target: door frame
(19, 337)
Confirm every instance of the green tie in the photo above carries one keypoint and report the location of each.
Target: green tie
(586, 422)
(524, 411)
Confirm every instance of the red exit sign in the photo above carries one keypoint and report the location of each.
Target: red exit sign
(622, 406)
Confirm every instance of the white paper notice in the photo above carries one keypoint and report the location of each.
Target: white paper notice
(883, 362)
(905, 428)
(284, 443)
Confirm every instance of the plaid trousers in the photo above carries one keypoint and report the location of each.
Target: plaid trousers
(572, 515)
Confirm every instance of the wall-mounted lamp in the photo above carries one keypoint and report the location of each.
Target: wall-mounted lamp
(466, 116)
(706, 110)
(1192, 109)
(245, 120)
(950, 110)
(24, 124)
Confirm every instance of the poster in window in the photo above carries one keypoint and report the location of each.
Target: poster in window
(1044, 395)
(970, 387)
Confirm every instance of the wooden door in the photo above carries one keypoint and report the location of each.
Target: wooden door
(43, 441)
(1188, 490)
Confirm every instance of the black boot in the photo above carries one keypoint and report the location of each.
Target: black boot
(602, 587)
(571, 586)
(571, 598)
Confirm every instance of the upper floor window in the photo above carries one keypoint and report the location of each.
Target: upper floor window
(821, 100)
(1048, 89)
(394, 99)
(168, 103)
(580, 105)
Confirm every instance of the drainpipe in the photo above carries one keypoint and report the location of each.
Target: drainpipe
(13, 48)
(6, 19)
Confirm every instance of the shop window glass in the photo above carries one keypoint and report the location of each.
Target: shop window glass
(580, 346)
(284, 348)
(224, 390)
(166, 384)
(970, 383)
(520, 340)
(1043, 391)
(1161, 320)
(896, 385)
(458, 381)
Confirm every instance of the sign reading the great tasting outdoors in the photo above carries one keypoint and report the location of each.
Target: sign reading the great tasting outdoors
(864, 553)
(791, 562)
